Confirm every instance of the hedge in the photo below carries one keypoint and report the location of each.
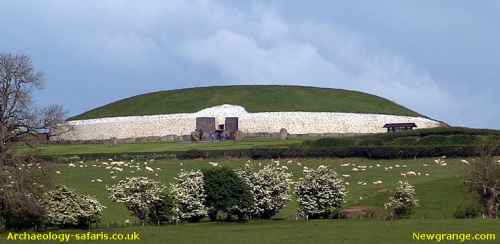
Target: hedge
(375, 152)
(424, 137)
(383, 152)
(190, 154)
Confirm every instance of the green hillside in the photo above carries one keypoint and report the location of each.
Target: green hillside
(253, 98)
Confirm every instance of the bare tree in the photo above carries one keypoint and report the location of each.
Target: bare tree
(484, 178)
(53, 120)
(19, 118)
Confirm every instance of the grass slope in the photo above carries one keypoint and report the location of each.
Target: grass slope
(253, 98)
(440, 193)
(81, 149)
(430, 188)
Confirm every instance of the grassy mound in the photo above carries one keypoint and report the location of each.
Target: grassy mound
(253, 98)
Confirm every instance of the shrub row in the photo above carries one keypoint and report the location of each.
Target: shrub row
(398, 139)
(382, 152)
(254, 191)
(217, 193)
(447, 131)
(375, 152)
(221, 193)
(190, 154)
(61, 208)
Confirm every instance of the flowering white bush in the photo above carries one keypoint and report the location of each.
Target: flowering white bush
(66, 208)
(22, 187)
(319, 192)
(189, 194)
(270, 187)
(139, 194)
(402, 201)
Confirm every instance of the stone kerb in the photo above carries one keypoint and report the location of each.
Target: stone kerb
(250, 123)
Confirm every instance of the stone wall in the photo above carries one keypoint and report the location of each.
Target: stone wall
(268, 122)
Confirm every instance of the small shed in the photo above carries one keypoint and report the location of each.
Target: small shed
(395, 127)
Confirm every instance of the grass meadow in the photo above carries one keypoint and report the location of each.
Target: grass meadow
(439, 186)
(80, 149)
(311, 232)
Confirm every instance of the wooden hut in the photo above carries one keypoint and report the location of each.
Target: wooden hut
(396, 127)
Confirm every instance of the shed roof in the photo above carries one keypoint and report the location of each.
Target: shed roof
(399, 125)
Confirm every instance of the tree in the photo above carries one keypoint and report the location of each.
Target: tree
(23, 178)
(227, 194)
(189, 194)
(19, 118)
(270, 186)
(146, 199)
(484, 177)
(402, 202)
(66, 208)
(319, 193)
(21, 192)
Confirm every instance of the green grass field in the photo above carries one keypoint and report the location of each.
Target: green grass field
(313, 232)
(430, 188)
(439, 187)
(253, 98)
(77, 149)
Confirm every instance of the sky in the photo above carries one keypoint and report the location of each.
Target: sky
(439, 58)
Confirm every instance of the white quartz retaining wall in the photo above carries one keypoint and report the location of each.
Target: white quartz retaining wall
(268, 122)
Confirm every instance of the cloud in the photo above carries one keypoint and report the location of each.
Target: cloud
(314, 54)
(105, 50)
(239, 58)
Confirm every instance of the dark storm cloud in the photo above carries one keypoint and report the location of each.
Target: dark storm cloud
(437, 57)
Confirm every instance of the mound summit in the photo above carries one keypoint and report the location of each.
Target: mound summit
(254, 98)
